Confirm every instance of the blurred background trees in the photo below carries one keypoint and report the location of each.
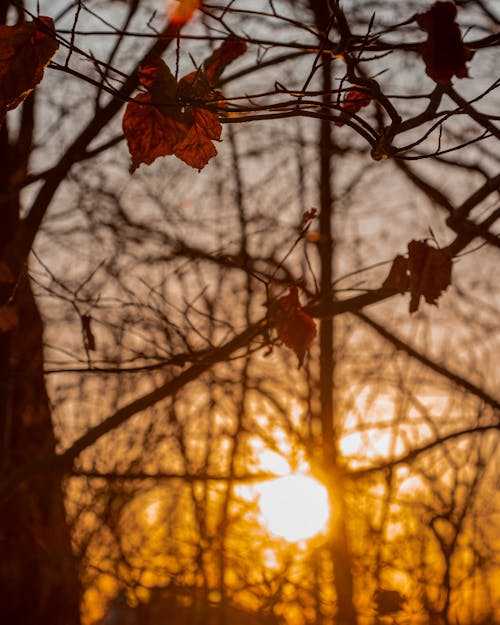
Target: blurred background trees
(139, 434)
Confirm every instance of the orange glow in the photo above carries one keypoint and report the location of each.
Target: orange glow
(181, 11)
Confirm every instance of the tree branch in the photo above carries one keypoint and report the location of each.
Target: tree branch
(427, 362)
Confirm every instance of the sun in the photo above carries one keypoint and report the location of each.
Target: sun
(294, 507)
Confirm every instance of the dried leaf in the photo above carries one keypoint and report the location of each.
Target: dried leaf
(25, 49)
(155, 75)
(150, 132)
(426, 272)
(166, 120)
(444, 53)
(355, 99)
(308, 216)
(430, 272)
(398, 277)
(231, 49)
(197, 148)
(88, 335)
(295, 328)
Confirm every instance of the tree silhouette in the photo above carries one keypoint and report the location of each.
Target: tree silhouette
(343, 107)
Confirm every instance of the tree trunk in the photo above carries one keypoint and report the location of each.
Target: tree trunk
(37, 571)
(38, 575)
(346, 613)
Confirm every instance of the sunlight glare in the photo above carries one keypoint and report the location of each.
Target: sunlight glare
(294, 507)
(273, 462)
(152, 512)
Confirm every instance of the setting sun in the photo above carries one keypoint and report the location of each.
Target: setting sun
(294, 507)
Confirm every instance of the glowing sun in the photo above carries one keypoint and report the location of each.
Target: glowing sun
(294, 507)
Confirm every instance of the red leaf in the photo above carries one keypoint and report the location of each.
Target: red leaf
(355, 99)
(153, 123)
(149, 131)
(444, 53)
(167, 120)
(156, 76)
(430, 272)
(196, 149)
(295, 327)
(200, 83)
(217, 62)
(25, 49)
(308, 216)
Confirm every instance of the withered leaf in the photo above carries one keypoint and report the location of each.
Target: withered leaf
(25, 49)
(88, 335)
(444, 53)
(308, 216)
(355, 99)
(426, 272)
(170, 118)
(295, 327)
(398, 277)
(216, 63)
(430, 272)
(156, 76)
(150, 132)
(196, 149)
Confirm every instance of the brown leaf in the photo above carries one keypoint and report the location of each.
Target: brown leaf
(295, 328)
(196, 149)
(25, 49)
(430, 272)
(149, 131)
(231, 49)
(155, 75)
(88, 335)
(355, 99)
(166, 120)
(308, 216)
(444, 53)
(398, 277)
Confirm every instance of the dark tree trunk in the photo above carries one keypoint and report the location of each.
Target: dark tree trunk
(37, 571)
(339, 548)
(38, 575)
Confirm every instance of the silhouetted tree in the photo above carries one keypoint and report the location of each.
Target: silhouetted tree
(161, 292)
